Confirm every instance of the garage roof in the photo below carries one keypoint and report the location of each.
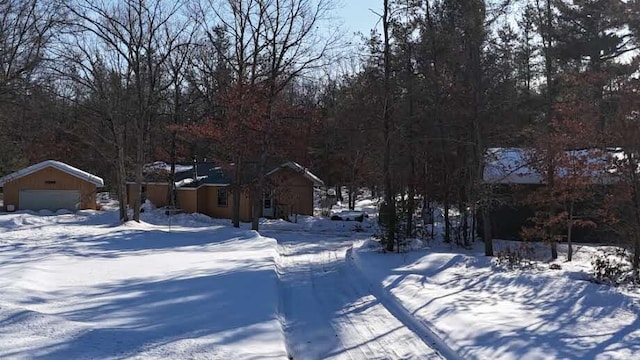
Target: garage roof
(57, 165)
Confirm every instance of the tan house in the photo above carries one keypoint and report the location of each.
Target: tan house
(50, 185)
(206, 188)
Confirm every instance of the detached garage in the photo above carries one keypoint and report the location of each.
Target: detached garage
(50, 185)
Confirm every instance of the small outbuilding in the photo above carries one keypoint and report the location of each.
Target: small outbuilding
(50, 185)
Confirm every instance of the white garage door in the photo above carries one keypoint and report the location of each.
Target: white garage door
(49, 200)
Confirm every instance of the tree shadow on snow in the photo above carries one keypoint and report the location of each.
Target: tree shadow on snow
(566, 326)
(122, 242)
(144, 315)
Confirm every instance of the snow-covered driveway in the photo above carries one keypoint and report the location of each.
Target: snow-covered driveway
(329, 310)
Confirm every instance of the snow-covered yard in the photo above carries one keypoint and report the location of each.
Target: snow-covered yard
(81, 286)
(188, 287)
(483, 312)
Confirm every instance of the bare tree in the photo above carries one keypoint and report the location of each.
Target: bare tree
(273, 42)
(133, 40)
(27, 29)
(389, 192)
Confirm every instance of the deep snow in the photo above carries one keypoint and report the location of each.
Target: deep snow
(81, 286)
(188, 287)
(484, 312)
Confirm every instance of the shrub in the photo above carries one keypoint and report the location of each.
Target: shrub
(613, 266)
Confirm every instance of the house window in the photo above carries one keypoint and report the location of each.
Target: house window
(222, 197)
(267, 200)
(50, 182)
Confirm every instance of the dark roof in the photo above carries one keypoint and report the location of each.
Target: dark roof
(210, 173)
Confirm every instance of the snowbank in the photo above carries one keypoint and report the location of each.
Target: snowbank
(484, 313)
(347, 215)
(312, 224)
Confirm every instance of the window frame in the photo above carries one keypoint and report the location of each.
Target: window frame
(220, 191)
(267, 196)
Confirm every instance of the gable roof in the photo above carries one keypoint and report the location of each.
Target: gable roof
(207, 173)
(210, 173)
(292, 165)
(56, 165)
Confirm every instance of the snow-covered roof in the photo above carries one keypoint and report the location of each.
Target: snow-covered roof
(517, 165)
(298, 168)
(57, 165)
(509, 166)
(187, 181)
(163, 166)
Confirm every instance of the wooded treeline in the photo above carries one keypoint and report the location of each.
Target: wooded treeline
(111, 85)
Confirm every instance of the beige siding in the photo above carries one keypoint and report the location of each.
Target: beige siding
(215, 210)
(38, 181)
(203, 197)
(188, 200)
(203, 200)
(245, 206)
(156, 193)
(208, 203)
(293, 192)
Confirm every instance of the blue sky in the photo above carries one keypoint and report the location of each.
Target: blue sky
(356, 15)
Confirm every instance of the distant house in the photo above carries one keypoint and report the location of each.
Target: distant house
(513, 177)
(516, 166)
(205, 187)
(50, 185)
(509, 172)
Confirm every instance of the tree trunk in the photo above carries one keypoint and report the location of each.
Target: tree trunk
(570, 227)
(137, 198)
(410, 209)
(486, 230)
(389, 194)
(636, 255)
(352, 198)
(554, 249)
(465, 227)
(121, 177)
(447, 224)
(636, 205)
(256, 210)
(259, 194)
(237, 188)
(171, 195)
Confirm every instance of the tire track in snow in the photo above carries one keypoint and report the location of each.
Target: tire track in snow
(328, 312)
(390, 302)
